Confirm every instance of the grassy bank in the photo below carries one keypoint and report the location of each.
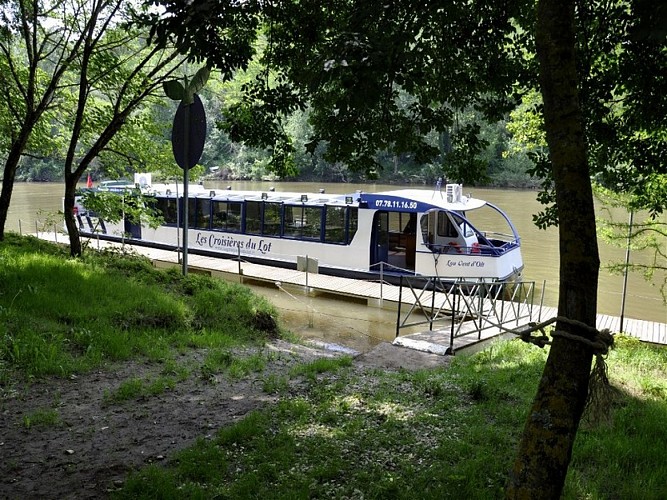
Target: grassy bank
(341, 431)
(62, 316)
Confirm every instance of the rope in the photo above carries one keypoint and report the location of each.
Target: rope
(600, 394)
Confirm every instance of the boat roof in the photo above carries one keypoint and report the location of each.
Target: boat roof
(429, 199)
(406, 200)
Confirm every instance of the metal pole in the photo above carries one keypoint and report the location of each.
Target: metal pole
(122, 234)
(381, 281)
(55, 233)
(186, 201)
(20, 231)
(433, 291)
(307, 265)
(36, 230)
(625, 271)
(178, 224)
(454, 308)
(539, 313)
(400, 297)
(240, 270)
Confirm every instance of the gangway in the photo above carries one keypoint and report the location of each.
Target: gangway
(457, 309)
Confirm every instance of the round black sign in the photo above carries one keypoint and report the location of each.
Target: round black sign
(190, 124)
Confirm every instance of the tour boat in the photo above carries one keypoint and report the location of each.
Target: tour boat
(417, 232)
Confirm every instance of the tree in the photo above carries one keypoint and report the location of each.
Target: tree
(349, 61)
(35, 52)
(649, 235)
(545, 449)
(114, 75)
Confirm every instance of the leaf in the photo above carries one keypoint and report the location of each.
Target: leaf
(199, 80)
(174, 90)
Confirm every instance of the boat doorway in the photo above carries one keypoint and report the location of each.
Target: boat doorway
(393, 240)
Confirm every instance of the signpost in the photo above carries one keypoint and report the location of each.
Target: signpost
(187, 137)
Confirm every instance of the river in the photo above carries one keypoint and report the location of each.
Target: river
(363, 326)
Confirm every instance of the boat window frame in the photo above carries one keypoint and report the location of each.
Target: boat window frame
(256, 223)
(343, 210)
(236, 226)
(170, 217)
(313, 216)
(278, 231)
(296, 230)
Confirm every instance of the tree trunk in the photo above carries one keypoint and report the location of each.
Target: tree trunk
(75, 248)
(9, 176)
(546, 446)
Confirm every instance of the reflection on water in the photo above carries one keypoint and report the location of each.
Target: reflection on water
(539, 248)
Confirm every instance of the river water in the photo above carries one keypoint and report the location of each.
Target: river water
(360, 326)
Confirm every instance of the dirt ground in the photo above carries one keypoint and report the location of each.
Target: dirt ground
(93, 447)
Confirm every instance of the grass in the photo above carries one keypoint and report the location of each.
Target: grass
(339, 433)
(442, 433)
(43, 417)
(111, 307)
(136, 388)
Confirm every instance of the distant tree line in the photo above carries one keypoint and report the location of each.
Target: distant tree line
(502, 163)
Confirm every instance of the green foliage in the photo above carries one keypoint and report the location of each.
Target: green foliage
(112, 306)
(648, 236)
(355, 65)
(113, 207)
(185, 93)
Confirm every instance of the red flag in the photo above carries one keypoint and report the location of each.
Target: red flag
(89, 182)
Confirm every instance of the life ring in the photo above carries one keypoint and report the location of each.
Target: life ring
(75, 211)
(475, 248)
(455, 246)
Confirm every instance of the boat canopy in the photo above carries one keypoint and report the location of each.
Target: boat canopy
(418, 200)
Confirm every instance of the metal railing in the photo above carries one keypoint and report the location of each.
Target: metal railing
(478, 305)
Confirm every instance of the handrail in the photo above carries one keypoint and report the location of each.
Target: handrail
(484, 303)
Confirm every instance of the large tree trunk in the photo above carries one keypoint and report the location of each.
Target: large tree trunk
(9, 176)
(544, 453)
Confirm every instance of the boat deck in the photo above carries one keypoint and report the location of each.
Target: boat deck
(437, 340)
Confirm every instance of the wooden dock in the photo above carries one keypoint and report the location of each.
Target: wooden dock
(375, 294)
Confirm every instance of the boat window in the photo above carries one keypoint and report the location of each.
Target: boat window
(303, 222)
(271, 224)
(202, 212)
(423, 223)
(334, 228)
(234, 216)
(168, 208)
(353, 223)
(192, 211)
(253, 217)
(227, 216)
(463, 224)
(445, 226)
